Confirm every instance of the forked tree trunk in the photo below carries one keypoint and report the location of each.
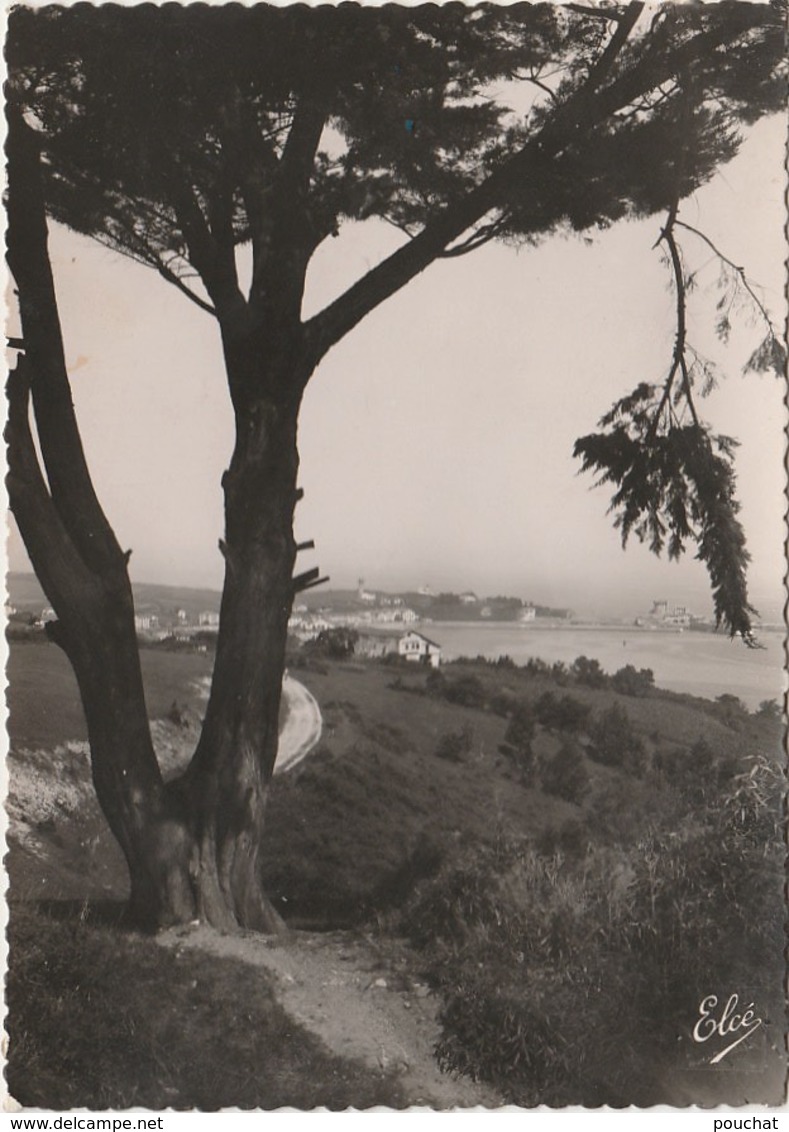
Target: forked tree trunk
(193, 845)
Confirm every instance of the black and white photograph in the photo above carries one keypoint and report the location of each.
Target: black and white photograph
(395, 663)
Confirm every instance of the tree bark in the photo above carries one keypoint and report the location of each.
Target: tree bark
(227, 782)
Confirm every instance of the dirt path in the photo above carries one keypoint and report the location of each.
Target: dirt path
(361, 1004)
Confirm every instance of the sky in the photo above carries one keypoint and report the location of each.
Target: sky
(436, 439)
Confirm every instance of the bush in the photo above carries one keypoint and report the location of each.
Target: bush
(632, 682)
(455, 745)
(533, 953)
(494, 1032)
(562, 714)
(336, 644)
(520, 730)
(693, 772)
(588, 672)
(769, 709)
(730, 710)
(517, 741)
(565, 775)
(615, 743)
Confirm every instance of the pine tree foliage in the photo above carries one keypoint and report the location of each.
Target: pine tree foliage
(672, 488)
(159, 120)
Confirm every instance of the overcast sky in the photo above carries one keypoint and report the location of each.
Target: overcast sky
(436, 440)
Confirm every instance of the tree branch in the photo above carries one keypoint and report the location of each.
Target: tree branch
(58, 566)
(72, 492)
(212, 255)
(477, 239)
(591, 104)
(331, 324)
(302, 145)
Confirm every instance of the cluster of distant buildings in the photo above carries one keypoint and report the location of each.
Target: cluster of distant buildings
(663, 615)
(181, 626)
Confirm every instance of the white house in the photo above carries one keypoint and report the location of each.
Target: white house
(413, 646)
(528, 613)
(209, 620)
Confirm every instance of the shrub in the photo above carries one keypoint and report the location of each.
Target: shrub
(337, 643)
(520, 730)
(562, 714)
(730, 710)
(517, 741)
(589, 672)
(494, 1032)
(693, 772)
(615, 743)
(769, 709)
(632, 682)
(565, 775)
(455, 745)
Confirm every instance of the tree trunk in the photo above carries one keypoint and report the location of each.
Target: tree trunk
(226, 785)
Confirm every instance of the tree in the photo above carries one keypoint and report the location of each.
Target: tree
(633, 682)
(565, 774)
(177, 134)
(615, 742)
(589, 672)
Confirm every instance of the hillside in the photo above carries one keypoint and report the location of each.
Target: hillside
(452, 831)
(25, 593)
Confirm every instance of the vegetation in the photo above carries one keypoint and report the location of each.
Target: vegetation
(521, 944)
(615, 741)
(584, 900)
(565, 775)
(633, 682)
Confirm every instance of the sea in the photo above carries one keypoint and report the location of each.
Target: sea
(698, 663)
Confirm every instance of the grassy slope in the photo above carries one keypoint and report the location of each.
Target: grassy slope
(43, 698)
(374, 809)
(350, 832)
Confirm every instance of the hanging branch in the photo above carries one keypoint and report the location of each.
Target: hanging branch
(679, 361)
(676, 482)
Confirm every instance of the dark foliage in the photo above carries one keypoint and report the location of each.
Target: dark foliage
(630, 681)
(565, 774)
(615, 741)
(672, 487)
(562, 713)
(337, 643)
(588, 672)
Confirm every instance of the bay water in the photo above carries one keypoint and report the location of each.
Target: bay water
(699, 663)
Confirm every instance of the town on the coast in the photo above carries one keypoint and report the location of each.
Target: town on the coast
(381, 623)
